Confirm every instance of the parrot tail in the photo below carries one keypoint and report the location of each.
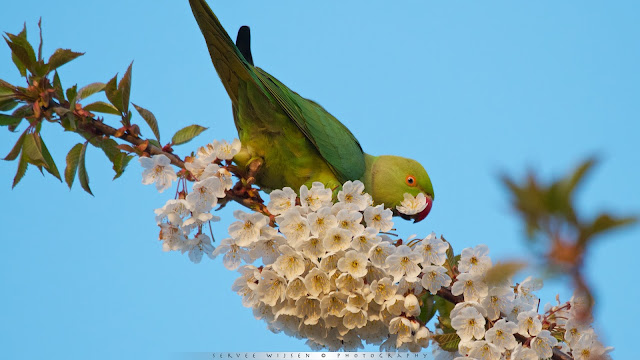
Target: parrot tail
(230, 63)
(243, 42)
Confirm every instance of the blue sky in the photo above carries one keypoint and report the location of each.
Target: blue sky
(470, 89)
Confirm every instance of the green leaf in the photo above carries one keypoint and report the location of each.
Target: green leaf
(61, 57)
(72, 94)
(41, 42)
(69, 121)
(444, 308)
(155, 143)
(22, 169)
(447, 342)
(7, 103)
(603, 223)
(31, 149)
(57, 87)
(23, 111)
(90, 89)
(17, 148)
(121, 165)
(6, 120)
(150, 119)
(451, 262)
(578, 175)
(102, 107)
(50, 165)
(113, 94)
(124, 87)
(6, 88)
(22, 50)
(82, 170)
(73, 158)
(187, 134)
(428, 309)
(119, 159)
(503, 271)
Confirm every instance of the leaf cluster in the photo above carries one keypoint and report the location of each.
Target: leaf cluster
(44, 100)
(549, 211)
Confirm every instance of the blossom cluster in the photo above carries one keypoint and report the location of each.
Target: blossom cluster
(493, 315)
(181, 220)
(330, 272)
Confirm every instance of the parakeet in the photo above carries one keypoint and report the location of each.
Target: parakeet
(297, 140)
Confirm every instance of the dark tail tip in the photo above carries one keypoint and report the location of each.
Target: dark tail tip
(243, 42)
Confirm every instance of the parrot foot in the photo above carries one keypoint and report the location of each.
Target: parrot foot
(254, 165)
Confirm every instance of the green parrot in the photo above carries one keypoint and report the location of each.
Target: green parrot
(296, 139)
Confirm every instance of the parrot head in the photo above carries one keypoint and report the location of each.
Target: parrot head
(393, 176)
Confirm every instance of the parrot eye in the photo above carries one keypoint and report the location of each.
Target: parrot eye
(410, 180)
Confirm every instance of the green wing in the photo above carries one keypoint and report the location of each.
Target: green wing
(334, 141)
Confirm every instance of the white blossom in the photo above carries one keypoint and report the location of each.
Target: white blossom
(281, 200)
(268, 249)
(350, 220)
(247, 229)
(471, 286)
(316, 197)
(172, 236)
(313, 248)
(233, 253)
(205, 194)
(483, 350)
(197, 246)
(214, 170)
(379, 218)
(379, 253)
(354, 263)
(469, 324)
(529, 323)
(411, 305)
(196, 166)
(226, 151)
(575, 330)
(523, 353)
(271, 287)
(526, 288)
(433, 250)
(317, 282)
(412, 205)
(246, 284)
(366, 240)
(588, 348)
(499, 300)
(383, 290)
(321, 221)
(173, 212)
(434, 278)
(501, 334)
(404, 262)
(294, 227)
(157, 169)
(197, 220)
(290, 264)
(475, 261)
(542, 344)
(337, 239)
(353, 193)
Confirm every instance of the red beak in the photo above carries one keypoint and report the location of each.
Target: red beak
(423, 214)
